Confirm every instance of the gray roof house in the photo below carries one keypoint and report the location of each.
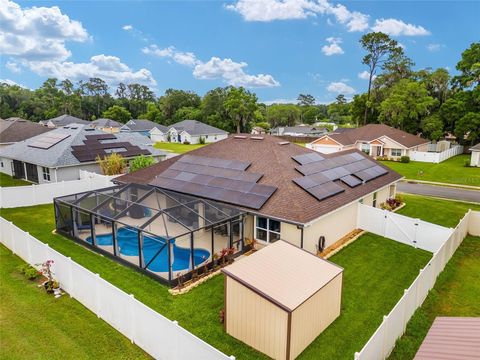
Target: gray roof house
(190, 131)
(59, 154)
(299, 130)
(142, 126)
(13, 130)
(63, 120)
(107, 125)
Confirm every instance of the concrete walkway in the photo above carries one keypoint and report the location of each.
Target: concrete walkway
(440, 191)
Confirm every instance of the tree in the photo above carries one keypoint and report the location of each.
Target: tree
(140, 162)
(117, 113)
(407, 103)
(176, 99)
(153, 113)
(436, 83)
(432, 127)
(240, 105)
(380, 49)
(469, 66)
(306, 100)
(451, 111)
(283, 114)
(468, 128)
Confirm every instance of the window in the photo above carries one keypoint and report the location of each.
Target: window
(267, 230)
(366, 148)
(374, 203)
(46, 173)
(1, 163)
(396, 152)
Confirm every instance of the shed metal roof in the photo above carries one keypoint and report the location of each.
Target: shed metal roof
(451, 338)
(283, 273)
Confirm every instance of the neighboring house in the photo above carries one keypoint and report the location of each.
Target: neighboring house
(287, 191)
(333, 125)
(106, 125)
(63, 120)
(300, 130)
(59, 154)
(374, 139)
(13, 130)
(257, 130)
(191, 131)
(475, 157)
(144, 127)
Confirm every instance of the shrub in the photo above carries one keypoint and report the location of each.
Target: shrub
(467, 163)
(385, 206)
(399, 198)
(201, 140)
(112, 164)
(405, 159)
(186, 142)
(141, 162)
(29, 271)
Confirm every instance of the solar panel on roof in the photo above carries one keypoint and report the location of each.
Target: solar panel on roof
(307, 158)
(325, 191)
(48, 140)
(351, 180)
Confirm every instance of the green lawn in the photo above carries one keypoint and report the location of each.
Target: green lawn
(7, 180)
(450, 171)
(442, 212)
(35, 325)
(367, 294)
(456, 293)
(177, 148)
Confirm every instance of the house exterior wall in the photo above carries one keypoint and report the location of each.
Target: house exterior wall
(312, 317)
(326, 145)
(254, 320)
(475, 158)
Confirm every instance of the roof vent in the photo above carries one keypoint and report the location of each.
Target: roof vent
(283, 143)
(239, 137)
(89, 129)
(74, 127)
(256, 138)
(66, 127)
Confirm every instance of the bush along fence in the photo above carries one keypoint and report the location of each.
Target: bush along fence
(17, 196)
(382, 342)
(154, 333)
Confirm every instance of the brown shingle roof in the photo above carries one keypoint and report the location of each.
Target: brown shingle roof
(289, 202)
(374, 131)
(451, 338)
(14, 130)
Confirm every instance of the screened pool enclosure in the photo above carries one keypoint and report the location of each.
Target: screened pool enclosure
(163, 233)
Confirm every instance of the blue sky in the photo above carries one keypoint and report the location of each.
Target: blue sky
(277, 49)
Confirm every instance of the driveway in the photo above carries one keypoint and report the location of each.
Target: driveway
(439, 191)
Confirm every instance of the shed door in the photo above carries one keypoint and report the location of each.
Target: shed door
(18, 170)
(32, 172)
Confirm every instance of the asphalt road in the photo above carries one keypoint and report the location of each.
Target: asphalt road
(439, 191)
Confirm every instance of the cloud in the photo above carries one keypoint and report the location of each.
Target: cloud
(334, 47)
(280, 101)
(13, 67)
(109, 68)
(37, 33)
(340, 88)
(435, 47)
(270, 10)
(365, 75)
(182, 58)
(231, 72)
(396, 27)
(11, 83)
(127, 27)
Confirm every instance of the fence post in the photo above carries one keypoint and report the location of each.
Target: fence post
(70, 276)
(415, 242)
(385, 334)
(29, 247)
(97, 295)
(175, 346)
(12, 240)
(47, 251)
(357, 356)
(133, 328)
(405, 320)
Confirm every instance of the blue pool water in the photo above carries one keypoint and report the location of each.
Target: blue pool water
(128, 245)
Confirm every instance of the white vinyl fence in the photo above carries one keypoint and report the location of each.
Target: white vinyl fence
(404, 229)
(394, 324)
(154, 333)
(436, 157)
(17, 196)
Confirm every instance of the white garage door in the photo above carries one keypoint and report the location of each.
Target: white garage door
(326, 149)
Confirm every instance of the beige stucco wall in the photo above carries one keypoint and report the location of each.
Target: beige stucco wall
(254, 320)
(312, 317)
(291, 234)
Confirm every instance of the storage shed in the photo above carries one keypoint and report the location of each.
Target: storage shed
(279, 299)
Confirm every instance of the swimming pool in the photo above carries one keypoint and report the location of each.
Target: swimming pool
(128, 245)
